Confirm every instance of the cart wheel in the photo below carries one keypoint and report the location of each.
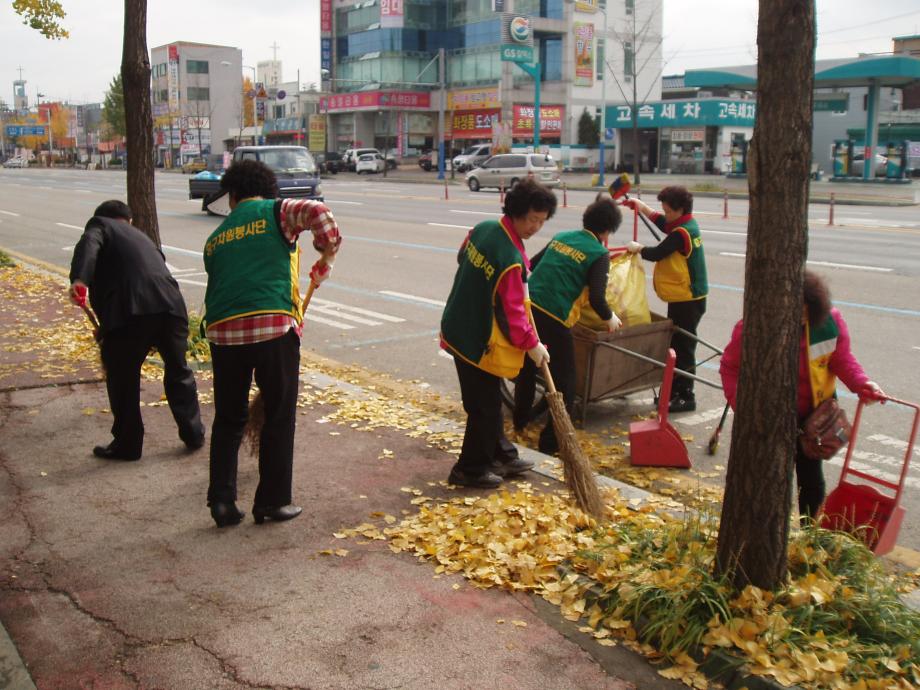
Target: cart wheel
(539, 398)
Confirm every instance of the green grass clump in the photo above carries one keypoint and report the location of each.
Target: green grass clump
(197, 349)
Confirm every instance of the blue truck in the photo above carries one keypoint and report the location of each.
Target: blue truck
(294, 167)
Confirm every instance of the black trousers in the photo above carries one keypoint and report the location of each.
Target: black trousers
(686, 315)
(123, 352)
(276, 366)
(561, 346)
(809, 479)
(484, 440)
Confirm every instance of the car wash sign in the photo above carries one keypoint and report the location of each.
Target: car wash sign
(715, 112)
(517, 38)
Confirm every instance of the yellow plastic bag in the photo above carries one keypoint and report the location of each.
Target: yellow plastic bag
(626, 294)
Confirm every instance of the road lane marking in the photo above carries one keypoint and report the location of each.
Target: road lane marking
(448, 225)
(381, 341)
(857, 267)
(476, 213)
(340, 314)
(414, 298)
(445, 354)
(312, 317)
(68, 225)
(9, 213)
(893, 442)
(357, 310)
(191, 282)
(912, 482)
(180, 250)
(340, 201)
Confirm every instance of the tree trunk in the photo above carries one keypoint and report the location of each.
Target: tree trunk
(754, 530)
(135, 74)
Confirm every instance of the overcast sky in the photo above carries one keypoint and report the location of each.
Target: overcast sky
(697, 33)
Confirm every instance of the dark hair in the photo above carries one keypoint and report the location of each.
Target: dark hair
(677, 197)
(817, 296)
(249, 178)
(113, 208)
(603, 215)
(529, 195)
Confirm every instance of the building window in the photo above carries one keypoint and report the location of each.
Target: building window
(630, 6)
(601, 51)
(198, 93)
(628, 60)
(164, 95)
(196, 66)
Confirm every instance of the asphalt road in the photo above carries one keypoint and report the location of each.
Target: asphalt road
(382, 306)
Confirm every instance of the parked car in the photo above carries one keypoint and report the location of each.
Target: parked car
(194, 165)
(369, 163)
(330, 162)
(294, 168)
(16, 162)
(424, 161)
(859, 160)
(507, 169)
(351, 157)
(472, 157)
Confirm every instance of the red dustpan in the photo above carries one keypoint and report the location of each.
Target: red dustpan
(860, 508)
(654, 442)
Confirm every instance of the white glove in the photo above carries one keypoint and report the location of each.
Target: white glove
(321, 270)
(634, 247)
(539, 354)
(613, 323)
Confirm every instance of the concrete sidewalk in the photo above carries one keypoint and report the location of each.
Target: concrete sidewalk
(113, 574)
(855, 193)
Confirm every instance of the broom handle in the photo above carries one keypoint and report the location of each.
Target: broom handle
(547, 377)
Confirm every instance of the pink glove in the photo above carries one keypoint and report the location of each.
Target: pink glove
(630, 203)
(870, 393)
(320, 271)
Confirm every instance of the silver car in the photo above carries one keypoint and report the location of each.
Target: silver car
(507, 169)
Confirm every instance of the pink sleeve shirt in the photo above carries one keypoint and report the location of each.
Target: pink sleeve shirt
(513, 297)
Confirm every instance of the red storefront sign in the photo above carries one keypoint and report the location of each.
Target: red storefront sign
(551, 117)
(325, 16)
(473, 124)
(369, 100)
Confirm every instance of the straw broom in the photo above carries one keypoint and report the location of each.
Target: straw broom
(253, 431)
(577, 471)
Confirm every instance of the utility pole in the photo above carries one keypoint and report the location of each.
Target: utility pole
(442, 87)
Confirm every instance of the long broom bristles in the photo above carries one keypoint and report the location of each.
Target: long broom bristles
(577, 470)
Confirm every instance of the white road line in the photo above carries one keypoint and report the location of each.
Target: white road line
(180, 250)
(68, 248)
(68, 225)
(352, 203)
(311, 316)
(725, 232)
(339, 314)
(9, 213)
(357, 310)
(191, 282)
(83, 191)
(856, 267)
(414, 298)
(174, 270)
(445, 354)
(448, 225)
(912, 482)
(476, 213)
(700, 418)
(893, 442)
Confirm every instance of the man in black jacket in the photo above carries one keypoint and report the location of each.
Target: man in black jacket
(139, 306)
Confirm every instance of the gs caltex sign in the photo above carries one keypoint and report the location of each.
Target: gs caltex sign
(517, 38)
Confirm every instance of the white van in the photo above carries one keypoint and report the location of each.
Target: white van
(472, 157)
(507, 169)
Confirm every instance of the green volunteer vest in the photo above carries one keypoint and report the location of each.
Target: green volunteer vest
(680, 278)
(251, 268)
(821, 342)
(559, 283)
(468, 325)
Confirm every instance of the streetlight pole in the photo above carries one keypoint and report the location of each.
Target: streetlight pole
(255, 104)
(39, 97)
(603, 133)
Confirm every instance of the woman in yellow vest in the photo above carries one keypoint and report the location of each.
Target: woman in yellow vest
(486, 327)
(570, 272)
(824, 356)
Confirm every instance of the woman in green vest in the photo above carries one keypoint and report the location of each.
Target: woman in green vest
(824, 356)
(487, 329)
(679, 279)
(568, 273)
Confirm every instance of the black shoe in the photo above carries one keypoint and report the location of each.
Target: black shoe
(483, 480)
(112, 452)
(226, 514)
(682, 404)
(511, 468)
(276, 513)
(194, 443)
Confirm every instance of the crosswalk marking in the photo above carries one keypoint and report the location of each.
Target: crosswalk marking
(414, 298)
(912, 482)
(311, 317)
(339, 314)
(68, 225)
(893, 442)
(357, 310)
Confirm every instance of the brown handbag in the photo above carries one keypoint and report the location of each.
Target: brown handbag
(825, 431)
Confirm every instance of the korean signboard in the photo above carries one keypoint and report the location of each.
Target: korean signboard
(370, 100)
(584, 53)
(317, 133)
(325, 53)
(699, 113)
(586, 5)
(475, 124)
(474, 99)
(391, 14)
(325, 16)
(517, 38)
(551, 118)
(172, 78)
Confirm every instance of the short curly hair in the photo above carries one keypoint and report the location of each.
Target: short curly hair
(677, 197)
(602, 215)
(529, 195)
(249, 178)
(817, 297)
